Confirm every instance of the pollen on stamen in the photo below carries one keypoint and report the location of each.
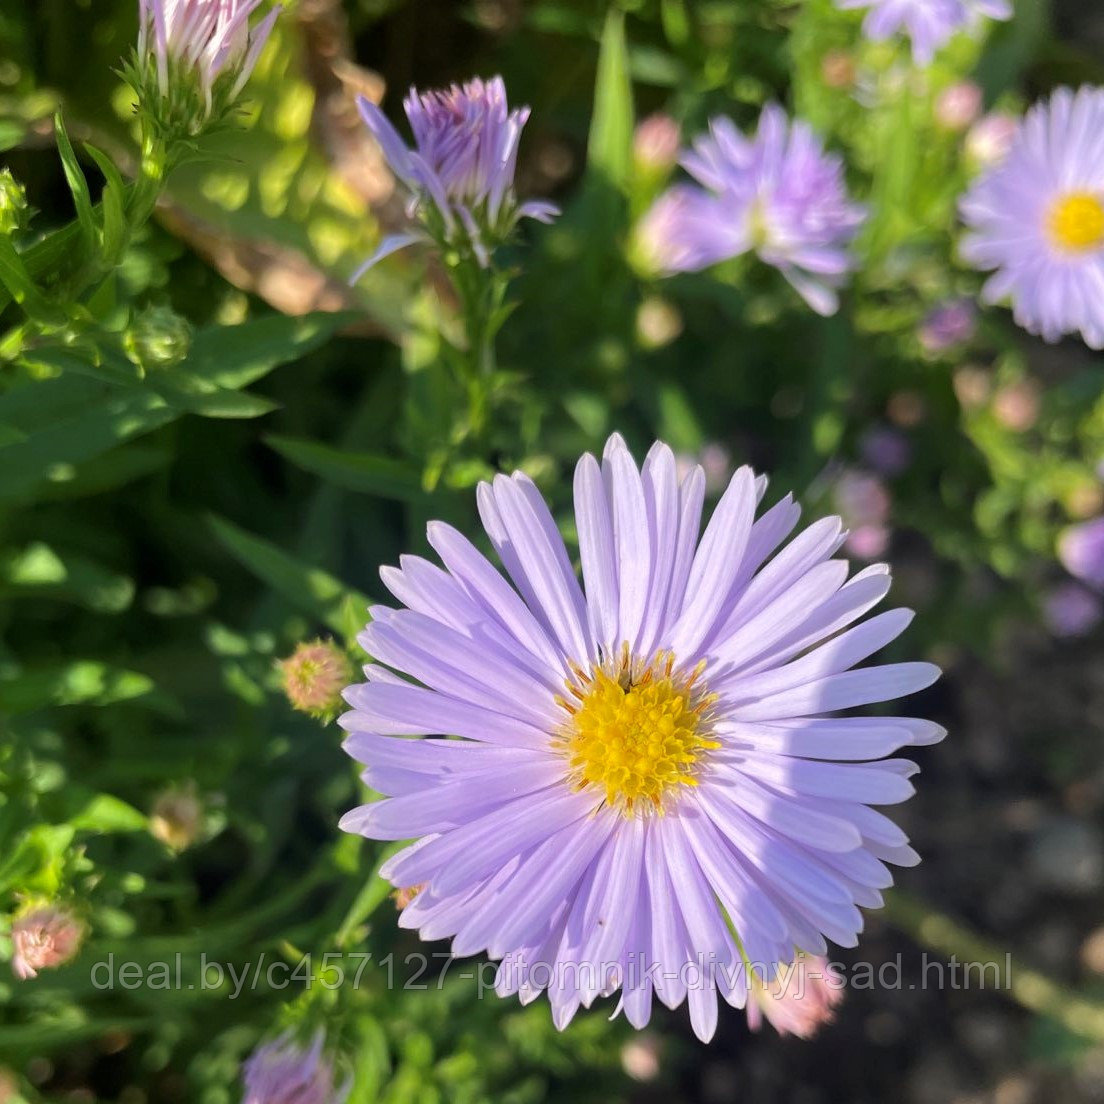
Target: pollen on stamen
(636, 729)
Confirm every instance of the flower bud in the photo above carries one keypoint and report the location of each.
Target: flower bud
(947, 325)
(158, 338)
(990, 138)
(177, 817)
(13, 203)
(314, 676)
(801, 999)
(656, 142)
(284, 1072)
(957, 106)
(44, 938)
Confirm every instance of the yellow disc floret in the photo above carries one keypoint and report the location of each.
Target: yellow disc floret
(1076, 222)
(636, 730)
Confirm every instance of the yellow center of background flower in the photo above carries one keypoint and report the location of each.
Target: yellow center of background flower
(636, 730)
(1077, 222)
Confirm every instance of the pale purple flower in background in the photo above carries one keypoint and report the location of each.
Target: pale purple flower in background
(713, 459)
(929, 24)
(957, 106)
(991, 137)
(950, 324)
(1037, 219)
(284, 1072)
(1071, 610)
(43, 939)
(864, 502)
(886, 450)
(1081, 551)
(801, 999)
(210, 38)
(656, 142)
(777, 194)
(460, 173)
(642, 758)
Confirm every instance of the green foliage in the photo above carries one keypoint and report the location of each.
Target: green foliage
(192, 483)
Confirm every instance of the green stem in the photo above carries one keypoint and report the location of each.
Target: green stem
(1031, 989)
(481, 291)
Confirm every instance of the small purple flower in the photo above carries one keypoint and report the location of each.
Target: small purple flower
(1037, 219)
(778, 194)
(886, 450)
(206, 40)
(461, 171)
(283, 1072)
(1071, 610)
(947, 325)
(930, 24)
(1081, 551)
(642, 779)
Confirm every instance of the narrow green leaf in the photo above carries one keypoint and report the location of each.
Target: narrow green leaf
(306, 588)
(77, 184)
(52, 454)
(83, 682)
(113, 204)
(40, 571)
(106, 813)
(355, 471)
(20, 285)
(235, 356)
(609, 147)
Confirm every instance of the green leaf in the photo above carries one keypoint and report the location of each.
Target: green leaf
(197, 395)
(77, 185)
(83, 682)
(105, 813)
(38, 570)
(355, 471)
(52, 454)
(113, 203)
(609, 147)
(20, 285)
(235, 356)
(309, 589)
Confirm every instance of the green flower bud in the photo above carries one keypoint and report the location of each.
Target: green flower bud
(158, 338)
(13, 203)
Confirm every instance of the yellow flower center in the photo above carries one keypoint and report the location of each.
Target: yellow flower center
(636, 729)
(1076, 222)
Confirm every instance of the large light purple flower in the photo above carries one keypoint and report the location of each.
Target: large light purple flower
(777, 193)
(283, 1072)
(1037, 218)
(202, 39)
(930, 24)
(635, 782)
(461, 170)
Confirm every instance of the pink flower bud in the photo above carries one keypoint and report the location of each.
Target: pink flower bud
(990, 138)
(656, 143)
(801, 1000)
(314, 676)
(958, 106)
(42, 939)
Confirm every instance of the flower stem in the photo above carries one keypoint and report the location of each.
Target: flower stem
(1029, 988)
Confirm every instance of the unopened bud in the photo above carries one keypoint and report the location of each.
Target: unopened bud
(13, 203)
(158, 338)
(314, 676)
(177, 817)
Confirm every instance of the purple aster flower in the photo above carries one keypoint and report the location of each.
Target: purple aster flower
(461, 171)
(1081, 551)
(778, 194)
(283, 1072)
(1037, 219)
(610, 782)
(886, 450)
(205, 41)
(930, 24)
(947, 325)
(1071, 610)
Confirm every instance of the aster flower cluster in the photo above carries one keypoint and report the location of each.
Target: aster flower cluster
(460, 173)
(642, 782)
(929, 24)
(192, 60)
(778, 194)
